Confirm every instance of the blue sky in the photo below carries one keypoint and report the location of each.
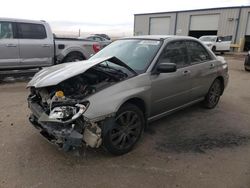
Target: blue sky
(110, 16)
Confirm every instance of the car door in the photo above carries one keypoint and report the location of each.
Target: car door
(9, 47)
(36, 48)
(222, 44)
(171, 90)
(203, 69)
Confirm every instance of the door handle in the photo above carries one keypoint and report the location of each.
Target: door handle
(212, 65)
(186, 72)
(11, 45)
(46, 45)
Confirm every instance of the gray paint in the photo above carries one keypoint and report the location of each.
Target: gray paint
(230, 17)
(145, 86)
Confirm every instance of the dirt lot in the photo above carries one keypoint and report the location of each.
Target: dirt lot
(192, 148)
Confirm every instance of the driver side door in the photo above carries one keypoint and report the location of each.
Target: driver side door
(9, 46)
(171, 90)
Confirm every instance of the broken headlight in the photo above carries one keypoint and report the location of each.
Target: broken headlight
(68, 112)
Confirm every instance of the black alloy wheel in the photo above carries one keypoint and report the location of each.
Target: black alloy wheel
(126, 131)
(213, 95)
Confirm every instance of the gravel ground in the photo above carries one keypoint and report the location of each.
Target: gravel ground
(194, 147)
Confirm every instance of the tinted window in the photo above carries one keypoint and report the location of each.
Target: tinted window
(6, 30)
(31, 31)
(175, 52)
(197, 52)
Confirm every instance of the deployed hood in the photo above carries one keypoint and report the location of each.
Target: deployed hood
(54, 75)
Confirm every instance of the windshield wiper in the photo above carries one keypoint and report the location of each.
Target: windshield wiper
(117, 61)
(119, 71)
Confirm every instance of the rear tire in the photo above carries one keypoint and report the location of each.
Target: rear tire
(126, 131)
(73, 57)
(213, 96)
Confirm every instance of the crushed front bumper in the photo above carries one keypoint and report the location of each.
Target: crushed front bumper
(65, 135)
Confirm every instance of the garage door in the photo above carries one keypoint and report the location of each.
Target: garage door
(248, 25)
(159, 26)
(204, 22)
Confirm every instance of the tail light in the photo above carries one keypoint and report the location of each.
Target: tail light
(96, 47)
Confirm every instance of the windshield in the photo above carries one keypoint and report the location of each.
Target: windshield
(208, 39)
(136, 53)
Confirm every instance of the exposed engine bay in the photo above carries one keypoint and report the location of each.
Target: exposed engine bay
(62, 106)
(77, 88)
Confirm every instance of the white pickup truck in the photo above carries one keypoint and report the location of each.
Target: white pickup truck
(31, 44)
(217, 44)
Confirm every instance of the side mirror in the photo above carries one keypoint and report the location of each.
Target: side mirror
(219, 40)
(166, 67)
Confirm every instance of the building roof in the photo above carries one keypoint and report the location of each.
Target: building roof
(205, 9)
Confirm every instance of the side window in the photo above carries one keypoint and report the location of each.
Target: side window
(175, 52)
(197, 52)
(31, 31)
(6, 30)
(97, 39)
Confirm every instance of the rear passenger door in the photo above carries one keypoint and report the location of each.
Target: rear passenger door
(36, 49)
(9, 52)
(203, 69)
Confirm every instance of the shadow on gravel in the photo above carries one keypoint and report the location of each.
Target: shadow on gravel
(196, 130)
(8, 80)
(16, 76)
(201, 143)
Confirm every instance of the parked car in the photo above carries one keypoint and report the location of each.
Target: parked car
(31, 44)
(247, 62)
(108, 99)
(104, 36)
(102, 41)
(216, 44)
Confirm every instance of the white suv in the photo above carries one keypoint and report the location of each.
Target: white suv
(216, 44)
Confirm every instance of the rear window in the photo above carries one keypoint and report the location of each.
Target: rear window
(31, 31)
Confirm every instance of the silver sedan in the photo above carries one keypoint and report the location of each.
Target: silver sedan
(108, 99)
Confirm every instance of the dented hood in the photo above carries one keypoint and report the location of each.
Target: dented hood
(51, 76)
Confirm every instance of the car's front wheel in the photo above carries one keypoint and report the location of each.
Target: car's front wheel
(126, 131)
(214, 49)
(213, 96)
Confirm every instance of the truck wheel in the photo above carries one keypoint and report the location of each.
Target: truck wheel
(213, 96)
(73, 57)
(122, 135)
(214, 49)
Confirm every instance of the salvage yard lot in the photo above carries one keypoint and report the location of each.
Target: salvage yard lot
(194, 147)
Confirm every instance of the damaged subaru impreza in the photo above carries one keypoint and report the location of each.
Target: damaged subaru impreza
(108, 99)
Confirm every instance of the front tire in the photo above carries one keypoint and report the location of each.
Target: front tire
(126, 131)
(214, 49)
(213, 95)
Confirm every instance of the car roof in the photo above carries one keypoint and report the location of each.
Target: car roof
(159, 37)
(21, 20)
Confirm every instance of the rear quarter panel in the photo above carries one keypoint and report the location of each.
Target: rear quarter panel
(84, 47)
